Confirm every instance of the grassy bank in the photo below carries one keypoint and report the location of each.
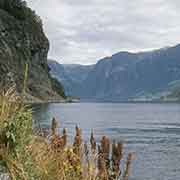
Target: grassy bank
(26, 155)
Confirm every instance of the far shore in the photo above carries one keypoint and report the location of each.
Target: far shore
(99, 101)
(68, 100)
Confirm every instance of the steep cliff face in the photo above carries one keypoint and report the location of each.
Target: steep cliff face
(22, 41)
(126, 76)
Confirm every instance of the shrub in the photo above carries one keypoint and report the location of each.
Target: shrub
(15, 136)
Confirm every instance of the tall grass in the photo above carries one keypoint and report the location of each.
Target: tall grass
(25, 155)
(25, 78)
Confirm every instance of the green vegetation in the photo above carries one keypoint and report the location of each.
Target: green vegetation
(14, 7)
(19, 10)
(25, 155)
(25, 79)
(21, 32)
(175, 95)
(15, 136)
(57, 86)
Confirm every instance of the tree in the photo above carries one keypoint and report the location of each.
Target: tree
(14, 7)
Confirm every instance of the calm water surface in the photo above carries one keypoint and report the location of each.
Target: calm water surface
(151, 131)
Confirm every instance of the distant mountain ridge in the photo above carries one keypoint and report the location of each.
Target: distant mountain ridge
(130, 76)
(70, 75)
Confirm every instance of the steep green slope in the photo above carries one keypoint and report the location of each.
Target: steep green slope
(22, 41)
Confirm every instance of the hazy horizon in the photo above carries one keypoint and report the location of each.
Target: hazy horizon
(83, 33)
(133, 52)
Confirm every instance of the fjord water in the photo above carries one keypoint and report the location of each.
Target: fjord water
(151, 131)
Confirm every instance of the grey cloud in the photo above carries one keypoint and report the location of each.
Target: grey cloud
(83, 31)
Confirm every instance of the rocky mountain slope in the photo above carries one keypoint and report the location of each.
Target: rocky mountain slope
(71, 75)
(22, 42)
(133, 76)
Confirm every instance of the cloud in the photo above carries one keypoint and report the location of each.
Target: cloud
(84, 31)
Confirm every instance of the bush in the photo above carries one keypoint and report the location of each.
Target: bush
(15, 136)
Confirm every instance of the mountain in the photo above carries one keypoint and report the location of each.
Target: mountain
(126, 76)
(71, 75)
(24, 44)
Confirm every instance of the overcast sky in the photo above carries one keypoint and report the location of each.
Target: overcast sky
(83, 31)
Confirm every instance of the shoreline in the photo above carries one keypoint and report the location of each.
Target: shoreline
(51, 101)
(94, 101)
